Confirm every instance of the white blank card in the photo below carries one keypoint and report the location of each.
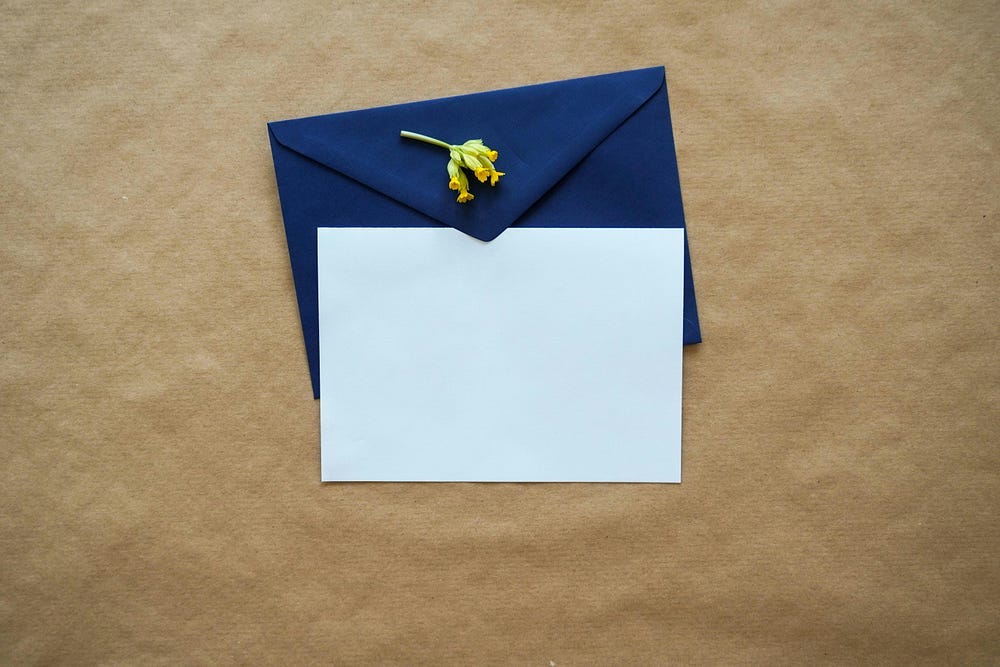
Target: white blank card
(546, 355)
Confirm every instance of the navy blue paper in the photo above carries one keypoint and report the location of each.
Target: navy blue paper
(590, 152)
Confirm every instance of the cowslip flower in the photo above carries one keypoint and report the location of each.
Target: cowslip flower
(473, 155)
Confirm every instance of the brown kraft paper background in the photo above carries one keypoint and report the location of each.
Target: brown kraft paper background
(160, 499)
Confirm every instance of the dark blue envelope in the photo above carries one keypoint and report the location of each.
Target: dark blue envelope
(591, 152)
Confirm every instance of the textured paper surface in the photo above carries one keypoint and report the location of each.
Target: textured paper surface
(159, 443)
(546, 355)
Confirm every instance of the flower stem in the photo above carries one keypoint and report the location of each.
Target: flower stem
(425, 139)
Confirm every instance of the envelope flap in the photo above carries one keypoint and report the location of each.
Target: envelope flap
(541, 132)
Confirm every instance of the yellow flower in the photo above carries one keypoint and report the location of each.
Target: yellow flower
(459, 181)
(473, 155)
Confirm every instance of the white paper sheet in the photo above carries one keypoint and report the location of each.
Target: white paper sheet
(546, 355)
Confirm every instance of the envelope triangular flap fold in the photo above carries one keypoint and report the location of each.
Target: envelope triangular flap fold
(541, 132)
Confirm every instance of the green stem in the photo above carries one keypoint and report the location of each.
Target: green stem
(424, 138)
